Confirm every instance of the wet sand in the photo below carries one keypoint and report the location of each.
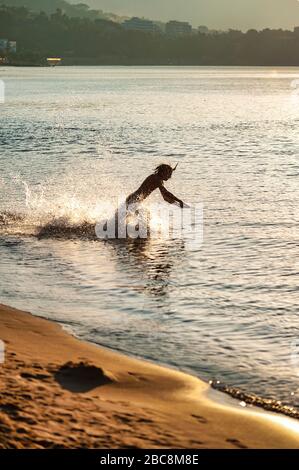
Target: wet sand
(59, 392)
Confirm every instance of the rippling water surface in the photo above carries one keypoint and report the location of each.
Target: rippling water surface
(72, 139)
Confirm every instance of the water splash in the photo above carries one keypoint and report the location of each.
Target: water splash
(55, 210)
(70, 206)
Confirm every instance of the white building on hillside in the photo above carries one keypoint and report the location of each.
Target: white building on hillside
(177, 28)
(140, 24)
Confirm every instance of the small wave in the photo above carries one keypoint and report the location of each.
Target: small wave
(266, 403)
(7, 218)
(61, 228)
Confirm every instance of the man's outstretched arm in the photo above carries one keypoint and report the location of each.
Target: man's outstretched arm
(169, 197)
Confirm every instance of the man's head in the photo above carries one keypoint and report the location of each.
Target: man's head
(164, 171)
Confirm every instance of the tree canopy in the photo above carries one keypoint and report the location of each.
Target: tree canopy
(80, 9)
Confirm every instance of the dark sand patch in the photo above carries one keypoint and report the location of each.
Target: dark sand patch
(81, 377)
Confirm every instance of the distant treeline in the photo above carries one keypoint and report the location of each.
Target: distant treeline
(86, 41)
(70, 9)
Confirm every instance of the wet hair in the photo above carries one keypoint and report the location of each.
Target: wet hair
(164, 170)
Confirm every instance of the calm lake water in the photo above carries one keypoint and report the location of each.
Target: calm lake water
(72, 139)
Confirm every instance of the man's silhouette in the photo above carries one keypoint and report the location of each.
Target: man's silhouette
(155, 181)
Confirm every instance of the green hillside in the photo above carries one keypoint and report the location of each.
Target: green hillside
(79, 10)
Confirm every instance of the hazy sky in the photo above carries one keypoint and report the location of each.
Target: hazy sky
(243, 14)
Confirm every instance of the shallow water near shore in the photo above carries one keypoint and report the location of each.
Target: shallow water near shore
(74, 139)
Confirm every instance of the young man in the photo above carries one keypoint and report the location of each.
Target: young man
(132, 211)
(155, 181)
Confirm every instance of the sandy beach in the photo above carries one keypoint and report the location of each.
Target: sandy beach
(59, 392)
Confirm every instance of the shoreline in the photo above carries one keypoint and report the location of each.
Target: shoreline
(60, 392)
(235, 395)
(266, 66)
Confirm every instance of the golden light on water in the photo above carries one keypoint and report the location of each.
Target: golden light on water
(237, 153)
